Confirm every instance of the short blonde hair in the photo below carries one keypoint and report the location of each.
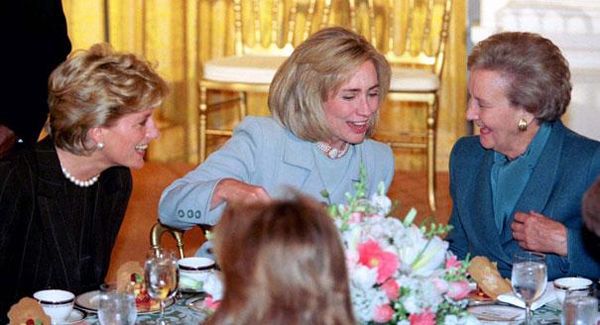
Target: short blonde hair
(283, 263)
(316, 68)
(95, 88)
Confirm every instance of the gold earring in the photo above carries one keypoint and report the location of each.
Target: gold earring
(522, 124)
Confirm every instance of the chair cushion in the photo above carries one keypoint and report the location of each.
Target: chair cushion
(407, 79)
(247, 68)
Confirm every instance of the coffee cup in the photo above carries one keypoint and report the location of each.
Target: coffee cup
(58, 304)
(193, 271)
(573, 285)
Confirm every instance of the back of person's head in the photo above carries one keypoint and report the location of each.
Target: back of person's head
(316, 70)
(96, 87)
(537, 73)
(591, 207)
(283, 263)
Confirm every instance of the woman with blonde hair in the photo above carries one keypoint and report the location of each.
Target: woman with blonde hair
(283, 263)
(63, 201)
(324, 102)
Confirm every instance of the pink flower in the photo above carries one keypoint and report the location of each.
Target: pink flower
(355, 217)
(210, 303)
(440, 284)
(452, 262)
(372, 256)
(424, 318)
(391, 289)
(458, 290)
(383, 314)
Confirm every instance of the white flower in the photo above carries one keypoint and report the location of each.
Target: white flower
(419, 283)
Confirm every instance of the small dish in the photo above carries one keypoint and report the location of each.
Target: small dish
(498, 313)
(75, 316)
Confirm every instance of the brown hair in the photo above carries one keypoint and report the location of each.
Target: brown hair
(96, 87)
(283, 263)
(537, 73)
(316, 68)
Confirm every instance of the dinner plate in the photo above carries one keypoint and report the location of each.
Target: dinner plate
(498, 314)
(89, 302)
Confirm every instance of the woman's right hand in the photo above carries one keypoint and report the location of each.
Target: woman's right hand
(232, 190)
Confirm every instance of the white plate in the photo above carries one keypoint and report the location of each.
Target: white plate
(90, 301)
(498, 314)
(75, 316)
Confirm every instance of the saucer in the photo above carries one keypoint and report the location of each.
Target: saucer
(75, 316)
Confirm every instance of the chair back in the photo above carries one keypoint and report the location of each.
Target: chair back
(158, 229)
(273, 27)
(412, 33)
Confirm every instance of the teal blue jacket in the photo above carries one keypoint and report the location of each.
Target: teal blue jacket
(567, 166)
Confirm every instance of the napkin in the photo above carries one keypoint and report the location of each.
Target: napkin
(27, 309)
(547, 297)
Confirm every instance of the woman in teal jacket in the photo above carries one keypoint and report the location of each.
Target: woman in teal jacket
(518, 185)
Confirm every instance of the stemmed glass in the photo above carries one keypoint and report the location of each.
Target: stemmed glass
(529, 277)
(162, 277)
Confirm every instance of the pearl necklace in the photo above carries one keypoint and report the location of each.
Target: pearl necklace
(331, 152)
(79, 182)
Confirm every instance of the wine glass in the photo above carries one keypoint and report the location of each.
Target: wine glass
(162, 277)
(529, 277)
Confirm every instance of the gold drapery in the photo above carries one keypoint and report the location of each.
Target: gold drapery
(178, 35)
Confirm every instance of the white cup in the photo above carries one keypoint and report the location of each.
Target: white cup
(57, 304)
(193, 271)
(573, 285)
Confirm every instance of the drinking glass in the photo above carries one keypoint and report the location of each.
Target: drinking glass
(529, 277)
(116, 307)
(162, 277)
(579, 309)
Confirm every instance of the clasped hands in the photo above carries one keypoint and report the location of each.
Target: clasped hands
(536, 232)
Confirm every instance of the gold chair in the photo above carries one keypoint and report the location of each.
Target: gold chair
(413, 38)
(158, 229)
(265, 33)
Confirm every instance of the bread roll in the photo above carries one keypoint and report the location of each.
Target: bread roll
(488, 279)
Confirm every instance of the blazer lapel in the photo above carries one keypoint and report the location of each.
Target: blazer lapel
(483, 218)
(537, 192)
(297, 156)
(53, 206)
(541, 182)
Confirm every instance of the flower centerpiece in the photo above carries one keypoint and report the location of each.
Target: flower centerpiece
(399, 273)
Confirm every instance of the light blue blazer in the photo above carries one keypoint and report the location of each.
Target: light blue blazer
(567, 166)
(263, 153)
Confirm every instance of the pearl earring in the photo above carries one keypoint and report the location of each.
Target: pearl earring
(100, 145)
(522, 124)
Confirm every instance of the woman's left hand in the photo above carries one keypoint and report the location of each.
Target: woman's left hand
(536, 232)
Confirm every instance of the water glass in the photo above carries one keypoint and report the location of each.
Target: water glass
(162, 278)
(579, 310)
(116, 307)
(528, 278)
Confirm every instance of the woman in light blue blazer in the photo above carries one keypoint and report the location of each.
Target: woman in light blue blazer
(518, 185)
(324, 101)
